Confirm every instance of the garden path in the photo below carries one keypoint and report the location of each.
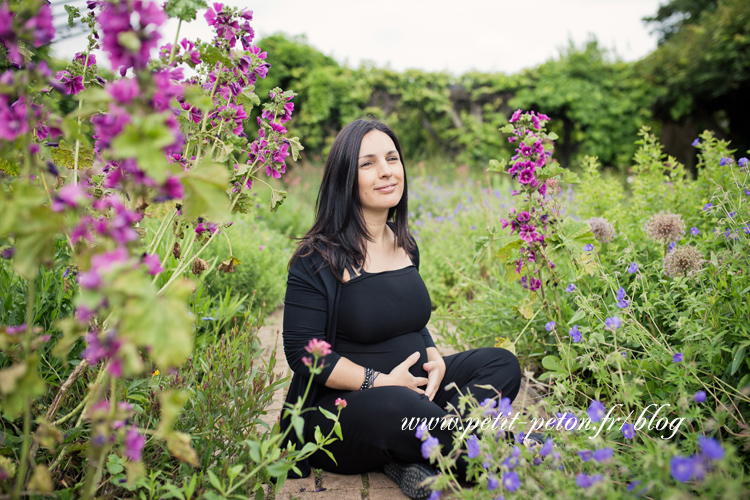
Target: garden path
(325, 485)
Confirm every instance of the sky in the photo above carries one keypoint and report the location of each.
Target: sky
(437, 35)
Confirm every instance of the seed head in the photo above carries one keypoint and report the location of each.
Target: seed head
(604, 232)
(683, 261)
(665, 226)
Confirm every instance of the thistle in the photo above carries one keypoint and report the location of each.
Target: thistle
(604, 232)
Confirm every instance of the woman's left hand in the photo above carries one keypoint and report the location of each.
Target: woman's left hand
(435, 369)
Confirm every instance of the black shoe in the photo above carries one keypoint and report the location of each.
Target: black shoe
(409, 476)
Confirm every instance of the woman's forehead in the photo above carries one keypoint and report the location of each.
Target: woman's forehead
(376, 142)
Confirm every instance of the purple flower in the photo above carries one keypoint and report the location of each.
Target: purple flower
(153, 264)
(678, 357)
(126, 46)
(707, 206)
(725, 161)
(696, 143)
(72, 85)
(694, 231)
(472, 445)
(613, 323)
(435, 495)
(588, 248)
(711, 448)
(628, 431)
(603, 455)
(575, 334)
(596, 411)
(124, 90)
(585, 481)
(511, 481)
(421, 430)
(682, 468)
(586, 455)
(623, 304)
(672, 246)
(134, 444)
(505, 408)
(492, 483)
(621, 293)
(68, 196)
(570, 288)
(516, 116)
(633, 268)
(550, 326)
(700, 397)
(547, 448)
(429, 446)
(511, 462)
(743, 162)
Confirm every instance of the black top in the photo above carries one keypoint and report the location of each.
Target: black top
(311, 311)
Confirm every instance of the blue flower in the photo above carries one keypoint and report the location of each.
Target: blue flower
(575, 334)
(711, 448)
(678, 357)
(707, 206)
(570, 288)
(430, 445)
(505, 408)
(628, 431)
(747, 192)
(511, 481)
(623, 304)
(696, 143)
(633, 268)
(586, 455)
(550, 326)
(681, 468)
(585, 481)
(596, 411)
(604, 454)
(700, 397)
(421, 430)
(547, 448)
(621, 293)
(492, 482)
(588, 248)
(511, 462)
(694, 231)
(732, 214)
(613, 323)
(743, 162)
(472, 444)
(671, 246)
(725, 161)
(434, 495)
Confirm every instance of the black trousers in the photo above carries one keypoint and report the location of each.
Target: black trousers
(372, 421)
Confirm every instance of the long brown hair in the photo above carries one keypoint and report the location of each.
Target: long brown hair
(339, 232)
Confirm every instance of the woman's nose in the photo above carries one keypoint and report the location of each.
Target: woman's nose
(385, 169)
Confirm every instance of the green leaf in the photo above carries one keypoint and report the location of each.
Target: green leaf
(73, 13)
(294, 144)
(551, 363)
(337, 430)
(327, 414)
(20, 383)
(299, 424)
(184, 9)
(35, 232)
(205, 192)
(576, 317)
(254, 451)
(212, 55)
(552, 136)
(64, 156)
(507, 129)
(277, 198)
(498, 166)
(171, 403)
(739, 357)
(144, 139)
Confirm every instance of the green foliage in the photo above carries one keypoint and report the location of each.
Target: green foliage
(675, 14)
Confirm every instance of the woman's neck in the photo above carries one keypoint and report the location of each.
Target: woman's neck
(377, 228)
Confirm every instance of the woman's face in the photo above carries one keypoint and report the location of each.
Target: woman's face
(381, 174)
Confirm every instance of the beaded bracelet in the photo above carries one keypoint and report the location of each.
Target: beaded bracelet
(368, 379)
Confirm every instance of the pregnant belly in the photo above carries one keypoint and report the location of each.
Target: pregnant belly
(386, 355)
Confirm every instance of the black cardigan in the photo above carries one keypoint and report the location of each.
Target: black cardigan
(310, 311)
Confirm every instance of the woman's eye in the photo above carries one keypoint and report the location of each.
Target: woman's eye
(364, 164)
(393, 158)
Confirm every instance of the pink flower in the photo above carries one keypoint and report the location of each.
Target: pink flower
(124, 90)
(340, 403)
(307, 361)
(526, 177)
(516, 116)
(318, 347)
(134, 444)
(153, 264)
(68, 196)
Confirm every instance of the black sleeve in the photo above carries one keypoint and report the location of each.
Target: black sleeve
(305, 318)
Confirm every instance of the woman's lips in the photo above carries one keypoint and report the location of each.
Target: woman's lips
(387, 189)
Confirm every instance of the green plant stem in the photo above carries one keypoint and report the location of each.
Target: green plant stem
(161, 231)
(174, 45)
(24, 463)
(527, 325)
(75, 410)
(205, 116)
(80, 107)
(93, 474)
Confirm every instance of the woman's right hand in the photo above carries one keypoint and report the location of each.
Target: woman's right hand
(401, 375)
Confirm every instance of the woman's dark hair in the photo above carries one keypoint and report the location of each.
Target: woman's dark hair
(339, 232)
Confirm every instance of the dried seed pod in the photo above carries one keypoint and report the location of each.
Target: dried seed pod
(177, 250)
(199, 265)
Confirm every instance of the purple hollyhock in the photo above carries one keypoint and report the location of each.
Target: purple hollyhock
(472, 445)
(81, 59)
(429, 447)
(711, 448)
(700, 397)
(628, 431)
(108, 126)
(678, 357)
(526, 176)
(124, 90)
(172, 189)
(126, 47)
(42, 26)
(511, 481)
(596, 411)
(153, 264)
(516, 116)
(633, 268)
(134, 444)
(70, 85)
(68, 196)
(13, 119)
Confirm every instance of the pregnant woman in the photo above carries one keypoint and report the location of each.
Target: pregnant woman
(354, 282)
